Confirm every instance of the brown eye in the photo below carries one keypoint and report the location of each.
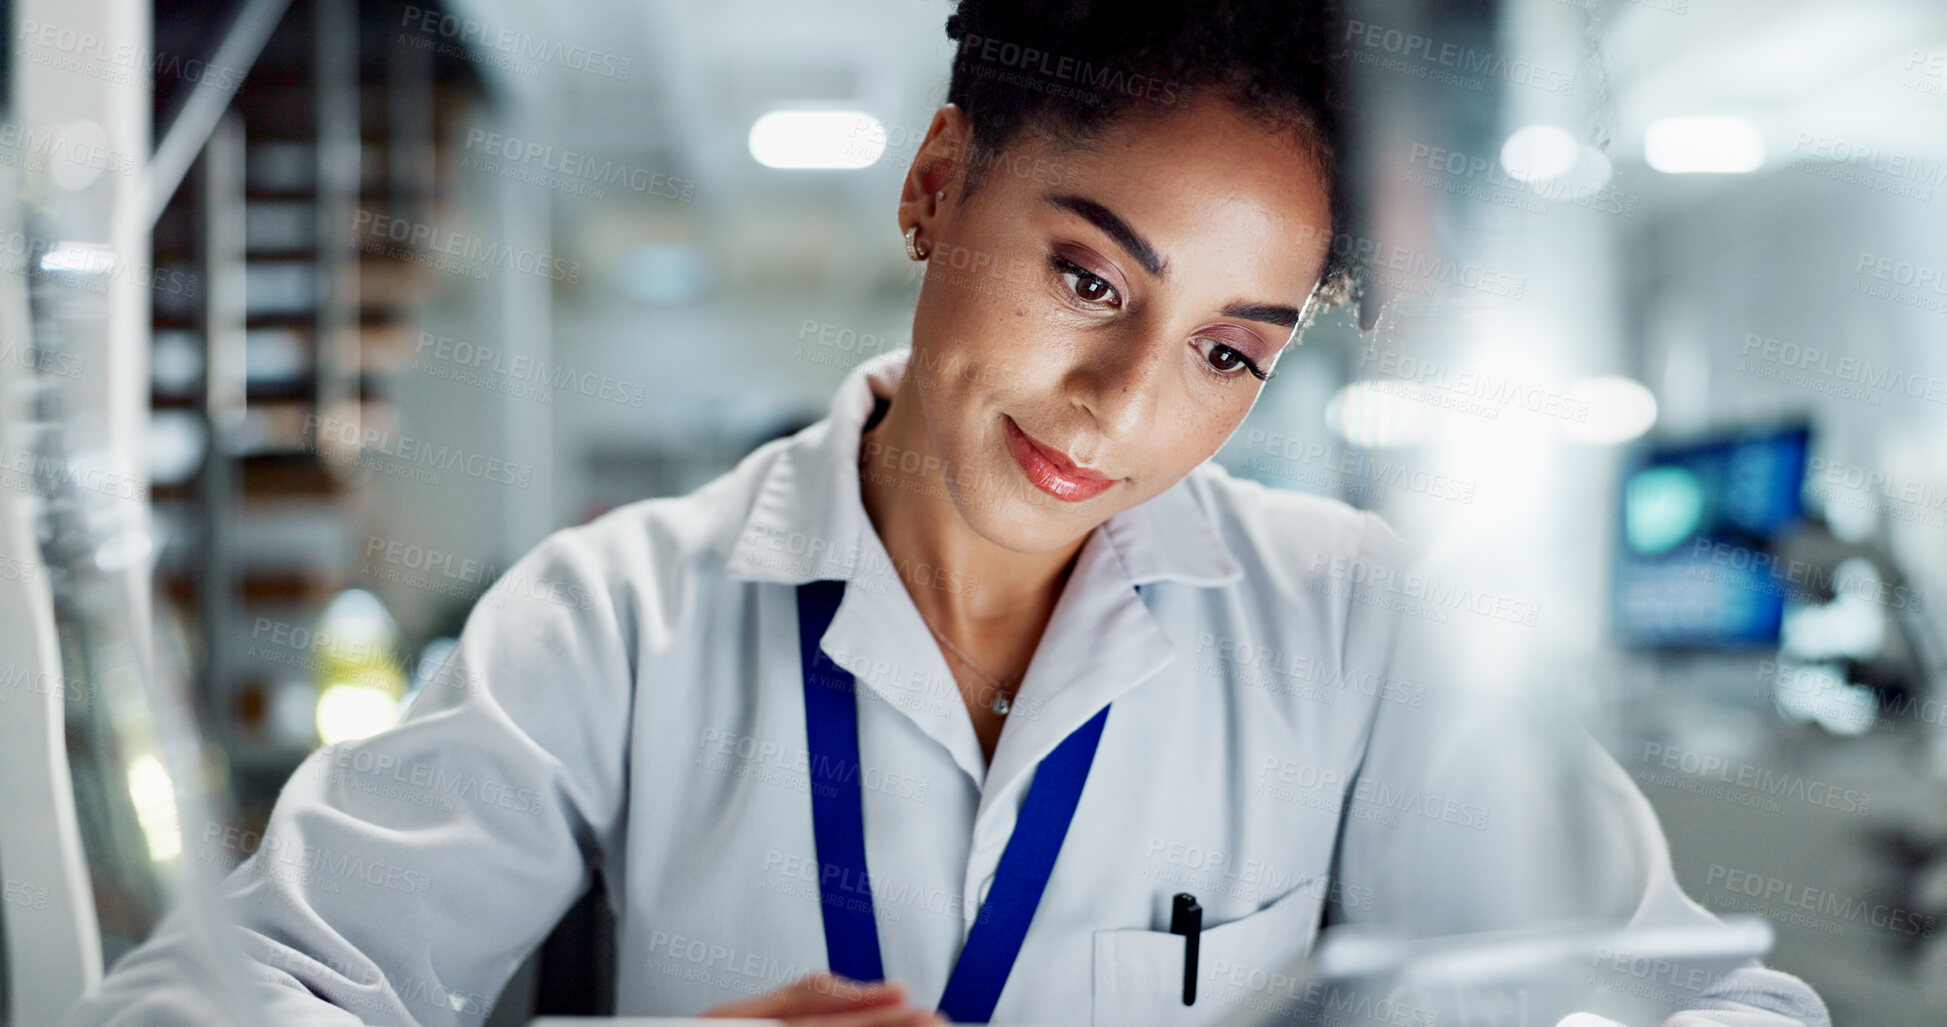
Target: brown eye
(1083, 284)
(1230, 362)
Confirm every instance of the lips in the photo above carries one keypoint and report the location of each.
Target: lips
(1051, 470)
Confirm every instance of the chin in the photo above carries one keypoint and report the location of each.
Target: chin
(1021, 518)
(1022, 528)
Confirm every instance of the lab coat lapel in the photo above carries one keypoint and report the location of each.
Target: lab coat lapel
(1101, 641)
(808, 521)
(878, 635)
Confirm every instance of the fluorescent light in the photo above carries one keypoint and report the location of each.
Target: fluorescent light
(348, 710)
(839, 140)
(153, 795)
(1538, 153)
(79, 257)
(360, 680)
(1620, 409)
(1678, 146)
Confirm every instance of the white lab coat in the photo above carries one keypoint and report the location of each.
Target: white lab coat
(628, 700)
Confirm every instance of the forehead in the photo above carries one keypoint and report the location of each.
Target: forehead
(1208, 186)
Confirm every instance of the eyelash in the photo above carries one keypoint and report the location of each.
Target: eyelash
(1249, 364)
(1067, 268)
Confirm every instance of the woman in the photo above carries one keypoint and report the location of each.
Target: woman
(981, 630)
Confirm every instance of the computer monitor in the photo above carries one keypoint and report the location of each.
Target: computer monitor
(1695, 533)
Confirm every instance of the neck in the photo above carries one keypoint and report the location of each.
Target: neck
(959, 579)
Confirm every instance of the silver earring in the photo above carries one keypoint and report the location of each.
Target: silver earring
(913, 250)
(940, 195)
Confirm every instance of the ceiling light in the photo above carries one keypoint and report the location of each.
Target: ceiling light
(1689, 145)
(839, 140)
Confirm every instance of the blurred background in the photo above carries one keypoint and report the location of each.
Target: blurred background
(319, 313)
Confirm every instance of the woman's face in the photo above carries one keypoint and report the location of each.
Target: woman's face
(1091, 317)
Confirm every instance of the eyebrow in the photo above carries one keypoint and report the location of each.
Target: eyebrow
(1153, 262)
(1269, 313)
(1116, 228)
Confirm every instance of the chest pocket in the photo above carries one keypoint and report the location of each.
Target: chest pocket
(1244, 968)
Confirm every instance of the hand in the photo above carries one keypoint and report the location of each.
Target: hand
(826, 1000)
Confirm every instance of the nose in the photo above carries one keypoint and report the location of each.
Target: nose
(1117, 382)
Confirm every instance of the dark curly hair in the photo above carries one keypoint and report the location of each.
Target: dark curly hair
(1070, 67)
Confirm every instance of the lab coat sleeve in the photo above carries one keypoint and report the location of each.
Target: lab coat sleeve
(404, 877)
(1474, 813)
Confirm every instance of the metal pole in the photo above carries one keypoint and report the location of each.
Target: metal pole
(207, 100)
(336, 96)
(224, 383)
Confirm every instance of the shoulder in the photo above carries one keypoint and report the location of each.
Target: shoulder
(1290, 541)
(646, 554)
(1316, 571)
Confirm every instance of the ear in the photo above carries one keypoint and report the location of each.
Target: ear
(938, 166)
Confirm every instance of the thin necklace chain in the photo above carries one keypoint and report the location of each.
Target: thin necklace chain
(1002, 694)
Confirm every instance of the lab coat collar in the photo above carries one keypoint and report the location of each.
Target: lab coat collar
(808, 521)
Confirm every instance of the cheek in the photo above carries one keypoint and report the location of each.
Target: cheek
(986, 317)
(1007, 362)
(955, 400)
(1201, 424)
(959, 341)
(975, 278)
(948, 302)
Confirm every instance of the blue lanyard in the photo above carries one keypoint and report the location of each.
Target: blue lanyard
(838, 828)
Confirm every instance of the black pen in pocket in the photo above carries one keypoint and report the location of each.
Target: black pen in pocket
(1186, 919)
